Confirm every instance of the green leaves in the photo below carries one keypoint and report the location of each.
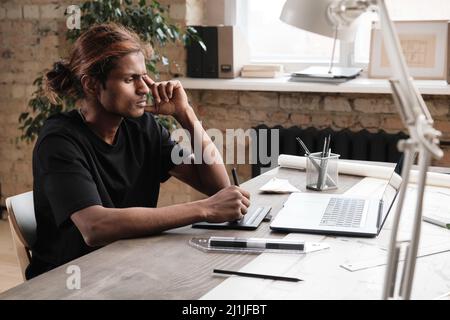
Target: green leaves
(40, 109)
(147, 18)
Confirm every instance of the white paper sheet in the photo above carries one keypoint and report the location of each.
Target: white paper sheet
(326, 273)
(323, 278)
(435, 199)
(276, 185)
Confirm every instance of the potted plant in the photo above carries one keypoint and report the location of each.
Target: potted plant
(148, 20)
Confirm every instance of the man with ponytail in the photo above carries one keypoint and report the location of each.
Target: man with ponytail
(97, 169)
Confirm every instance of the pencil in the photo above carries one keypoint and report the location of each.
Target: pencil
(303, 145)
(257, 275)
(235, 177)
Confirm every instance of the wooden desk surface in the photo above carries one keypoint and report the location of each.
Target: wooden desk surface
(163, 266)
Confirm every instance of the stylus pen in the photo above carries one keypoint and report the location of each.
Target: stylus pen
(257, 275)
(256, 243)
(235, 177)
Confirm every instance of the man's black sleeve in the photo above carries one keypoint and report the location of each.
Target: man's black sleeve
(168, 149)
(67, 181)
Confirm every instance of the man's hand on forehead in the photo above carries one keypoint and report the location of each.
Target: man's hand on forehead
(169, 97)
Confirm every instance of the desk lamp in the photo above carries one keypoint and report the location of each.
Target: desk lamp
(336, 18)
(314, 16)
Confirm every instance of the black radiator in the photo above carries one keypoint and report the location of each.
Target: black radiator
(361, 145)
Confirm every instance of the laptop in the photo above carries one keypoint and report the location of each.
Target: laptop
(338, 214)
(323, 72)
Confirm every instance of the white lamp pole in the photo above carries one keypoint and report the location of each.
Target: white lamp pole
(329, 14)
(424, 140)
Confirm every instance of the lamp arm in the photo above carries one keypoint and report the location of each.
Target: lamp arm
(412, 106)
(423, 138)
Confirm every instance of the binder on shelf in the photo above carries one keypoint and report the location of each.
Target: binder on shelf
(210, 59)
(226, 53)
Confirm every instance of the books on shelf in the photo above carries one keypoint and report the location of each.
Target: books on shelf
(262, 71)
(260, 74)
(263, 67)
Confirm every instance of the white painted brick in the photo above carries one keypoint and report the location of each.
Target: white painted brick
(178, 11)
(339, 104)
(376, 105)
(438, 107)
(52, 11)
(299, 101)
(31, 11)
(194, 12)
(220, 97)
(13, 11)
(29, 90)
(18, 91)
(2, 13)
(258, 99)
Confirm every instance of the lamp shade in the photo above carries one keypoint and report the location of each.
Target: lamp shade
(312, 16)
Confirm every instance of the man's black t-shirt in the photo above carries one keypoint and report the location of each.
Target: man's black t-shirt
(73, 169)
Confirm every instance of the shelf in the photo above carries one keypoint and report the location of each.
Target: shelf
(358, 85)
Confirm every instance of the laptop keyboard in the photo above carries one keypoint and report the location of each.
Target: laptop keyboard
(343, 212)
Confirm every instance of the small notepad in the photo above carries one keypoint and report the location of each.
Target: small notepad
(276, 185)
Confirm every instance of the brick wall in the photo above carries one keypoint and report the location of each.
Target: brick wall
(32, 36)
(247, 109)
(30, 40)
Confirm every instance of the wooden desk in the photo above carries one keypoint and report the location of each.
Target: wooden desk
(163, 266)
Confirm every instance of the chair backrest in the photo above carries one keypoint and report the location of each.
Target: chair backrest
(22, 222)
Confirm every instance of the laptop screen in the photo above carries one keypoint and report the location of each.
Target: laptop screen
(391, 190)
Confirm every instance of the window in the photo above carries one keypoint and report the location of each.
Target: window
(271, 40)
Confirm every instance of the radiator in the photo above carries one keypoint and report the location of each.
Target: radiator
(361, 145)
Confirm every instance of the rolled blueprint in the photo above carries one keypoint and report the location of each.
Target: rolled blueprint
(366, 170)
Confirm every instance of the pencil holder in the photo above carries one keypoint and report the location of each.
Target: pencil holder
(322, 172)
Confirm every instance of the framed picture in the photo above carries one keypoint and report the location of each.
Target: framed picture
(425, 47)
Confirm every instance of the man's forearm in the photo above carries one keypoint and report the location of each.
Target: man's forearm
(211, 172)
(100, 226)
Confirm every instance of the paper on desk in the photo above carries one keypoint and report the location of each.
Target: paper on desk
(367, 187)
(381, 261)
(276, 185)
(323, 278)
(436, 209)
(240, 288)
(434, 239)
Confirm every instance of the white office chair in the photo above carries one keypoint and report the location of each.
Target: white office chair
(22, 222)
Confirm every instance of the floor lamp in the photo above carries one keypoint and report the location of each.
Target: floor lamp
(337, 18)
